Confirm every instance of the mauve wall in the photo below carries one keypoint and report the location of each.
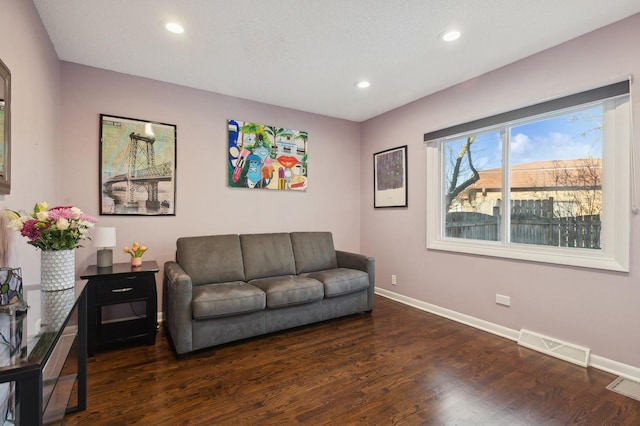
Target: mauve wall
(55, 158)
(205, 205)
(597, 309)
(35, 71)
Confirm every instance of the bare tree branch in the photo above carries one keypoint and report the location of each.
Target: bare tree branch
(454, 188)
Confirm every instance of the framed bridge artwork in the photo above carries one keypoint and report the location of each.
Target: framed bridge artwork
(266, 157)
(137, 167)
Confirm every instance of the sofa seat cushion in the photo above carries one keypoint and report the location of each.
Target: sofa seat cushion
(221, 300)
(341, 281)
(289, 290)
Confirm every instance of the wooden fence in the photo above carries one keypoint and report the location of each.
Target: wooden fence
(538, 208)
(581, 231)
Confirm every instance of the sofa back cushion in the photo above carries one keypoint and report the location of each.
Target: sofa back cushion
(313, 251)
(267, 255)
(211, 259)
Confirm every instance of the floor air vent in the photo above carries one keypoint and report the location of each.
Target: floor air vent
(554, 347)
(626, 387)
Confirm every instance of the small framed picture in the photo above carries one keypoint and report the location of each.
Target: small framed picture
(390, 178)
(137, 167)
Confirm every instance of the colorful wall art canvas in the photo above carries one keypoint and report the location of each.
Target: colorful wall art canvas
(137, 167)
(266, 157)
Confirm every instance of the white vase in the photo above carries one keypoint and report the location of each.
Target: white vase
(55, 308)
(57, 269)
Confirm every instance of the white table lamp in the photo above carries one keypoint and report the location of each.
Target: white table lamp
(104, 237)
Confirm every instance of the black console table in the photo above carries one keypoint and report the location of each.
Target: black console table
(39, 365)
(120, 284)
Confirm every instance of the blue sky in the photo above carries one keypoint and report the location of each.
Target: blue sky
(569, 136)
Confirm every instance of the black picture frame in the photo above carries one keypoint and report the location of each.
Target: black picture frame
(390, 178)
(137, 170)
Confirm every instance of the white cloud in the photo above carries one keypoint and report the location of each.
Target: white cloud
(520, 144)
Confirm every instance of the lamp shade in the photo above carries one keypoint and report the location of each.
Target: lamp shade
(104, 237)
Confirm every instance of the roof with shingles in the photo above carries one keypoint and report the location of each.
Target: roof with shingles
(543, 174)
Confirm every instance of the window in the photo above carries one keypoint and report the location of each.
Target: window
(547, 183)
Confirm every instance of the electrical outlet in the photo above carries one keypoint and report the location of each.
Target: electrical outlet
(394, 281)
(503, 300)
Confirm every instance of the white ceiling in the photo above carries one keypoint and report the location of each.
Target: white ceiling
(307, 54)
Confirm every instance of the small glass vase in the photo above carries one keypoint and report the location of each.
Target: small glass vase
(136, 261)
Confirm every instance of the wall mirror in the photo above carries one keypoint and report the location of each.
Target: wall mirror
(5, 129)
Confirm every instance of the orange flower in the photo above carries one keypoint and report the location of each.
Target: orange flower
(136, 250)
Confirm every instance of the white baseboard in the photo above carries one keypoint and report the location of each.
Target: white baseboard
(452, 315)
(614, 367)
(595, 361)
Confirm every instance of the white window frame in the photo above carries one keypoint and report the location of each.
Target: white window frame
(616, 211)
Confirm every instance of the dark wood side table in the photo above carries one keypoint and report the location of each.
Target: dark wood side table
(121, 284)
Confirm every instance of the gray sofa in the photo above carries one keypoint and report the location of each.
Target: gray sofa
(223, 288)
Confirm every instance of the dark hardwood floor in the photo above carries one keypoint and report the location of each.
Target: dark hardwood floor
(398, 365)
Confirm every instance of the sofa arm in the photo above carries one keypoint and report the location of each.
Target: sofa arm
(178, 294)
(362, 263)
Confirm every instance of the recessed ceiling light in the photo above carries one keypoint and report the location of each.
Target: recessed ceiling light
(452, 35)
(362, 84)
(174, 27)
